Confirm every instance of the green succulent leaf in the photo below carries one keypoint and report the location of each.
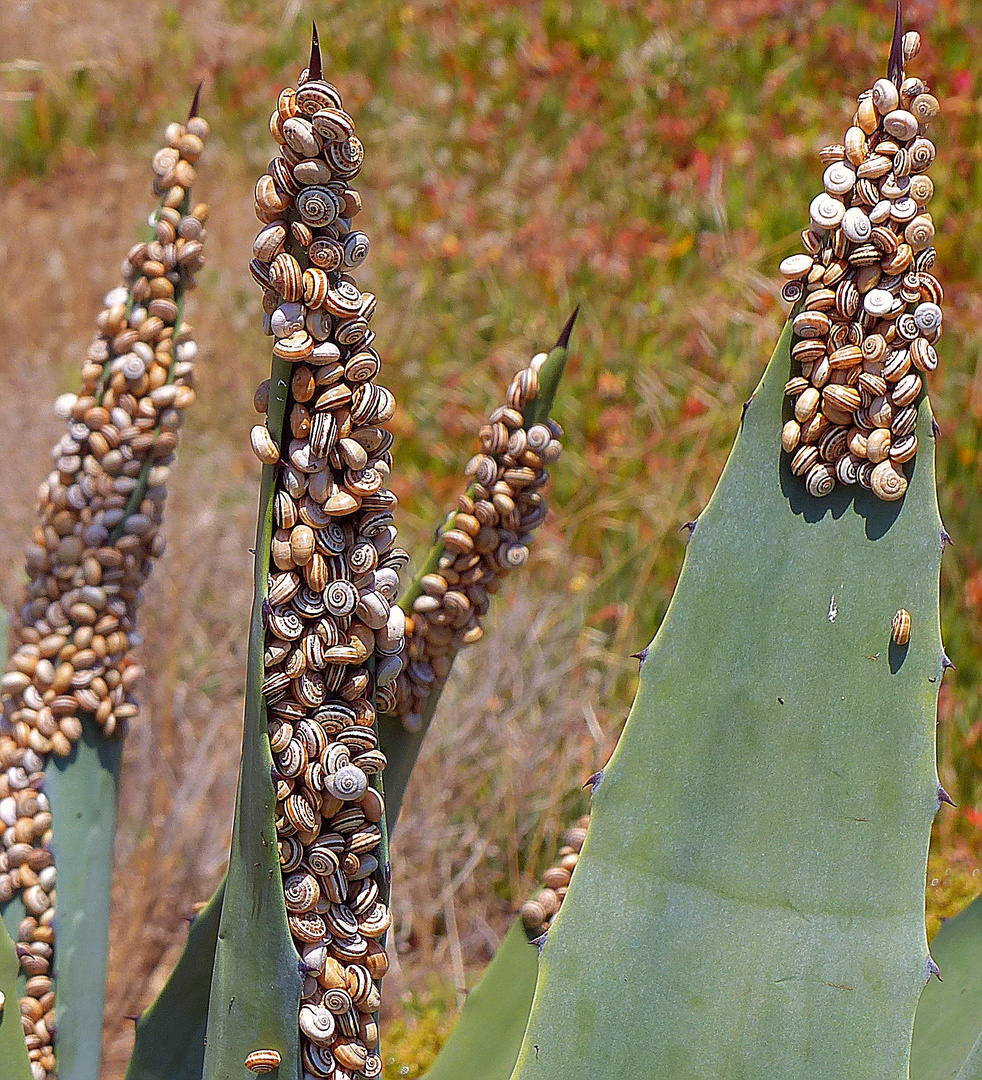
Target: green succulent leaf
(948, 1026)
(749, 898)
(485, 1041)
(14, 1064)
(400, 746)
(255, 987)
(84, 791)
(170, 1035)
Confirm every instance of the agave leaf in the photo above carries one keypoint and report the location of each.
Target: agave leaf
(750, 897)
(485, 1040)
(83, 789)
(400, 746)
(13, 1050)
(948, 1027)
(255, 987)
(170, 1035)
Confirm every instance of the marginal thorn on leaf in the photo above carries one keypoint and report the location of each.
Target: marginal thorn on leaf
(946, 663)
(944, 797)
(935, 429)
(945, 538)
(539, 942)
(562, 342)
(640, 657)
(593, 782)
(743, 411)
(195, 102)
(690, 525)
(895, 68)
(314, 68)
(933, 969)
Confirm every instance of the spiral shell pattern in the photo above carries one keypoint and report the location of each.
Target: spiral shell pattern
(867, 304)
(334, 571)
(98, 535)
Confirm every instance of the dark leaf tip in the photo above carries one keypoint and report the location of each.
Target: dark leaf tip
(944, 797)
(195, 102)
(895, 68)
(314, 69)
(562, 342)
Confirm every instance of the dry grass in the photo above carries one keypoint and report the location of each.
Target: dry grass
(651, 161)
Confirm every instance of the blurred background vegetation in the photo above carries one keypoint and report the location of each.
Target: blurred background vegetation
(650, 160)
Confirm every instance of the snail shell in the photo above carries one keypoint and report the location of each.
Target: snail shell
(923, 355)
(263, 1061)
(286, 277)
(904, 449)
(846, 469)
(326, 253)
(900, 627)
(825, 212)
(346, 158)
(340, 598)
(820, 480)
(299, 135)
(263, 445)
(885, 96)
(316, 95)
(901, 124)
(920, 232)
(356, 247)
(796, 266)
(812, 324)
(294, 347)
(921, 152)
(318, 205)
(878, 302)
(301, 892)
(842, 397)
(333, 124)
(790, 436)
(856, 225)
(925, 107)
(888, 482)
(317, 1023)
(927, 317)
(911, 45)
(839, 178)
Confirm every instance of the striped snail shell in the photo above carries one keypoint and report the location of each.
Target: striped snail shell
(792, 291)
(263, 1061)
(287, 319)
(911, 45)
(286, 277)
(318, 1060)
(846, 469)
(351, 331)
(317, 1023)
(333, 124)
(820, 480)
(511, 556)
(904, 448)
(346, 158)
(290, 852)
(322, 859)
(362, 367)
(299, 135)
(301, 892)
(356, 246)
(341, 598)
(922, 154)
(348, 784)
(318, 205)
(336, 1000)
(326, 253)
(372, 1068)
(900, 627)
(316, 95)
(263, 445)
(888, 482)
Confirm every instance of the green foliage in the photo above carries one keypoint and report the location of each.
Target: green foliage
(170, 1035)
(750, 889)
(83, 789)
(255, 986)
(948, 1027)
(13, 1050)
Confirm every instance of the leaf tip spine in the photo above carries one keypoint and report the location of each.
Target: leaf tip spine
(562, 342)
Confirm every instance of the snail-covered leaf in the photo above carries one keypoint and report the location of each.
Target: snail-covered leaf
(401, 746)
(170, 1035)
(84, 789)
(255, 987)
(750, 897)
(948, 1027)
(485, 1040)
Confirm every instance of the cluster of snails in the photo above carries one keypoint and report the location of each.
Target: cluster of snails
(483, 539)
(870, 308)
(538, 913)
(100, 512)
(334, 634)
